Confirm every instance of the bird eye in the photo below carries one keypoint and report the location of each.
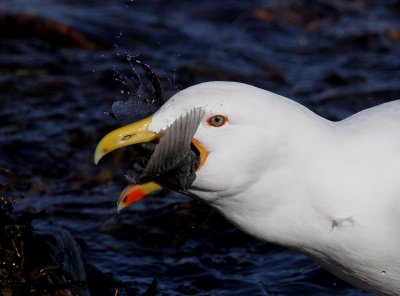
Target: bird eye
(217, 120)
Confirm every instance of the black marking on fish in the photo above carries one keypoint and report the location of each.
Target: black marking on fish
(173, 160)
(181, 177)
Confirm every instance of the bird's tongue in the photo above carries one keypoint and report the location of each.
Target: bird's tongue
(172, 164)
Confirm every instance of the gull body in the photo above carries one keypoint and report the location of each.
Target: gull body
(281, 173)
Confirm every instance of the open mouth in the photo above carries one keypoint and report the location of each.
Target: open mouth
(172, 164)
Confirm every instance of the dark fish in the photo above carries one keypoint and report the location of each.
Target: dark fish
(173, 162)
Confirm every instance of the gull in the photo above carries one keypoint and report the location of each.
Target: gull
(283, 174)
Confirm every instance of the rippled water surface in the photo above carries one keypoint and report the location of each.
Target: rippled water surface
(58, 82)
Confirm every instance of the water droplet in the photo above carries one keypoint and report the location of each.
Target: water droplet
(122, 91)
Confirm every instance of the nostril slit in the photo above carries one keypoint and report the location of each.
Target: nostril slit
(126, 137)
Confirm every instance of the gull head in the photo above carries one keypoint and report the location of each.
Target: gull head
(233, 132)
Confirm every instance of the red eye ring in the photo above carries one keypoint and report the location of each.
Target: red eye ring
(217, 120)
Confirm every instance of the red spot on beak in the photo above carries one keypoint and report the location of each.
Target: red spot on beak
(133, 196)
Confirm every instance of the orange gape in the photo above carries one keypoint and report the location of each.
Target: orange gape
(203, 152)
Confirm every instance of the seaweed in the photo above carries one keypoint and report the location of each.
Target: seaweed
(36, 261)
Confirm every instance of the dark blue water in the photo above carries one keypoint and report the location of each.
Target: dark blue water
(336, 57)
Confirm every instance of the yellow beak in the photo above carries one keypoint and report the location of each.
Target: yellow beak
(131, 134)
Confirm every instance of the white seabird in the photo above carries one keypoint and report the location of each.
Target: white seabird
(281, 173)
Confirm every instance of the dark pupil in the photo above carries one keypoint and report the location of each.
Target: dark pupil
(217, 120)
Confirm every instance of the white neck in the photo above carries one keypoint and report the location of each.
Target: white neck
(287, 190)
(314, 202)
